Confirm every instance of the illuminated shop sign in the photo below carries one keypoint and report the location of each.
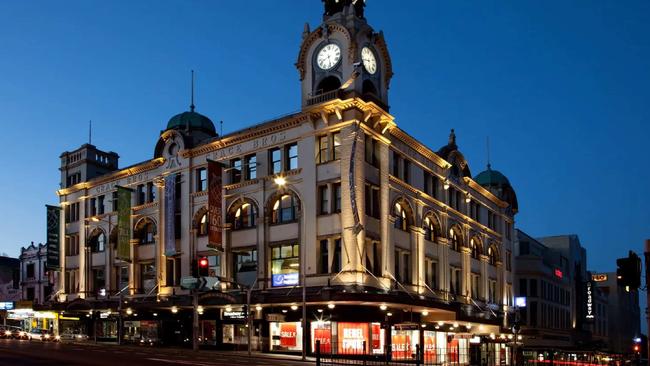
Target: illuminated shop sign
(590, 301)
(288, 334)
(285, 279)
(234, 314)
(599, 277)
(520, 302)
(352, 336)
(6, 305)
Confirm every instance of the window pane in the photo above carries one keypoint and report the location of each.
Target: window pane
(336, 138)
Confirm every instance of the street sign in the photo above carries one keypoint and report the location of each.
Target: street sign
(189, 282)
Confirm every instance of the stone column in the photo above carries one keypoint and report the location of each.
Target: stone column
(83, 258)
(419, 254)
(466, 271)
(483, 284)
(387, 221)
(134, 276)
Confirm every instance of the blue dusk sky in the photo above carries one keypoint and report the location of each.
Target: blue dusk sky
(561, 88)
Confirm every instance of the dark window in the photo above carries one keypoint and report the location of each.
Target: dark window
(523, 287)
(243, 216)
(323, 149)
(396, 164)
(284, 209)
(275, 156)
(31, 273)
(141, 197)
(532, 309)
(398, 268)
(173, 273)
(201, 180)
(98, 279)
(151, 192)
(98, 242)
(114, 201)
(323, 195)
(336, 197)
(336, 259)
(100, 205)
(146, 232)
(533, 287)
(407, 171)
(251, 167)
(93, 207)
(372, 200)
(372, 151)
(30, 294)
(324, 256)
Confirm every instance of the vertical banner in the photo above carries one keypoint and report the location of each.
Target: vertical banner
(589, 302)
(124, 224)
(170, 215)
(353, 186)
(53, 214)
(215, 214)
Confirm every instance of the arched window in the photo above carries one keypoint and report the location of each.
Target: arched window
(401, 219)
(456, 239)
(431, 228)
(243, 215)
(97, 241)
(492, 255)
(145, 232)
(284, 209)
(203, 225)
(475, 246)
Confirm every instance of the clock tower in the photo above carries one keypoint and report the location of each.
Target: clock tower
(344, 57)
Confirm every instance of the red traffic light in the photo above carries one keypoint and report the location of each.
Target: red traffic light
(637, 348)
(203, 262)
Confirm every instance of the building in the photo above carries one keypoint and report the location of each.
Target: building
(9, 279)
(623, 306)
(37, 283)
(395, 242)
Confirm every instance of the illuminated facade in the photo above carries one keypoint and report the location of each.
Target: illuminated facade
(392, 239)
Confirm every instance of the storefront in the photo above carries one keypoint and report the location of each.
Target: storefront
(30, 319)
(141, 331)
(286, 336)
(349, 338)
(234, 329)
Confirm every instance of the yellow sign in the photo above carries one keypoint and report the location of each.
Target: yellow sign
(599, 277)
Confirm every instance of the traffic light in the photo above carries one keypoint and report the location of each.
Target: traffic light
(628, 272)
(204, 266)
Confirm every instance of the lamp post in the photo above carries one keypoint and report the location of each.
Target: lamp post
(90, 254)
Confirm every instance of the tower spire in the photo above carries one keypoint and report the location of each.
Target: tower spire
(192, 102)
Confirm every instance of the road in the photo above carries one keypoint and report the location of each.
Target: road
(36, 353)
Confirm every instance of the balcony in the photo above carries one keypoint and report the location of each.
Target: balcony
(324, 97)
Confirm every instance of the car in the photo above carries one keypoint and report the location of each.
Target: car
(17, 333)
(43, 335)
(73, 336)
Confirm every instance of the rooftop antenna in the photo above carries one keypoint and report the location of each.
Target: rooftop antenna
(90, 132)
(192, 104)
(488, 153)
(220, 128)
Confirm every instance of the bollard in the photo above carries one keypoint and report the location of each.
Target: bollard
(317, 352)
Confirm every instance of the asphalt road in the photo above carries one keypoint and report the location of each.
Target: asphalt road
(32, 353)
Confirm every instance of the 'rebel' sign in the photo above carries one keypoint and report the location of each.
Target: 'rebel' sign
(589, 298)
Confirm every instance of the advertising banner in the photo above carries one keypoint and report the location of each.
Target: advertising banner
(324, 336)
(215, 214)
(170, 215)
(351, 338)
(285, 279)
(53, 235)
(124, 224)
(430, 347)
(589, 302)
(288, 334)
(376, 336)
(401, 346)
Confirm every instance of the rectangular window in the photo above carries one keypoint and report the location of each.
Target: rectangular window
(532, 312)
(372, 151)
(245, 266)
(396, 164)
(31, 273)
(251, 166)
(407, 171)
(173, 275)
(235, 171)
(151, 192)
(323, 204)
(336, 143)
(523, 287)
(455, 277)
(372, 200)
(407, 268)
(336, 259)
(336, 193)
(533, 287)
(398, 268)
(275, 156)
(141, 197)
(114, 201)
(72, 245)
(285, 265)
(292, 156)
(201, 180)
(508, 260)
(322, 156)
(323, 261)
(98, 279)
(475, 285)
(373, 257)
(92, 205)
(147, 277)
(100, 205)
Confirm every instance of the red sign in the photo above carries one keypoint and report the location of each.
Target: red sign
(401, 346)
(215, 213)
(558, 273)
(324, 335)
(376, 336)
(430, 347)
(288, 334)
(351, 338)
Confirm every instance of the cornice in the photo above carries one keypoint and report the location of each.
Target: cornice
(419, 147)
(489, 195)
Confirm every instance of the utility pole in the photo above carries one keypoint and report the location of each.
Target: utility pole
(646, 253)
(195, 320)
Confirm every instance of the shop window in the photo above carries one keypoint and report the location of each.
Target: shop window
(245, 266)
(286, 336)
(351, 338)
(284, 209)
(285, 265)
(403, 343)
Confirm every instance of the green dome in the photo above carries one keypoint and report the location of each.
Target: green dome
(491, 177)
(193, 120)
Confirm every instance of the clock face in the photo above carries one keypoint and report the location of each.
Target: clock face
(328, 56)
(369, 60)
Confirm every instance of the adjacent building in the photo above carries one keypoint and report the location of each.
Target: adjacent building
(9, 279)
(37, 283)
(388, 242)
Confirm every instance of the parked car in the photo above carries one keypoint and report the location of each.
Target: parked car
(16, 333)
(73, 336)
